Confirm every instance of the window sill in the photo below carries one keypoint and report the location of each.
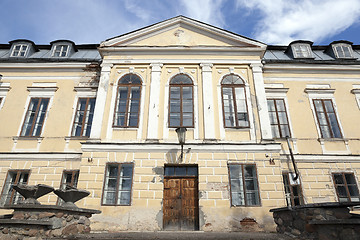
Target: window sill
(76, 138)
(37, 138)
(125, 128)
(237, 129)
(333, 139)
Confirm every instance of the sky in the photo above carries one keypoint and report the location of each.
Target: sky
(274, 22)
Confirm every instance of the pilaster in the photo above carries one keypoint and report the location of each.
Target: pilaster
(153, 119)
(100, 101)
(208, 101)
(261, 101)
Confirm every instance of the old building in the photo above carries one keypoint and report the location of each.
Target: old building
(103, 118)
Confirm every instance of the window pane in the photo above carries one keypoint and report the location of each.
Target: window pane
(353, 190)
(341, 191)
(338, 179)
(174, 92)
(174, 120)
(350, 179)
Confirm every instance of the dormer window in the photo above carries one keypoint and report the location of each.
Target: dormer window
(301, 51)
(342, 50)
(61, 51)
(19, 50)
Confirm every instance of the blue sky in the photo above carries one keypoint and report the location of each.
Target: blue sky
(269, 21)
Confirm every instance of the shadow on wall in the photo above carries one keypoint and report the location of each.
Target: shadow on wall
(172, 156)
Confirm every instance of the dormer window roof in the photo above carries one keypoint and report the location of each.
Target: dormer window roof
(21, 48)
(342, 49)
(62, 48)
(300, 49)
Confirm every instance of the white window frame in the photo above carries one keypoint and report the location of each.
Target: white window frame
(166, 128)
(39, 90)
(324, 92)
(20, 51)
(301, 50)
(82, 92)
(356, 92)
(61, 50)
(279, 92)
(139, 129)
(222, 128)
(342, 45)
(4, 89)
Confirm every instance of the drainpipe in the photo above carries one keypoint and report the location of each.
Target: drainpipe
(292, 159)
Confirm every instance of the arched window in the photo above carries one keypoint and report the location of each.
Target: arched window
(128, 101)
(234, 102)
(181, 112)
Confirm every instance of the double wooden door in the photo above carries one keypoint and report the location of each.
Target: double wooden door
(180, 204)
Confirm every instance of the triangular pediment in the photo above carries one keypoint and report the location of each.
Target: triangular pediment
(182, 31)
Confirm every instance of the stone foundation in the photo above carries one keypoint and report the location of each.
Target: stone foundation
(44, 221)
(323, 221)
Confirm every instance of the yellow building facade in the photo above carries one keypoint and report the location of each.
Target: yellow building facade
(104, 117)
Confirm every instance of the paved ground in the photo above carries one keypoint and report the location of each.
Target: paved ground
(198, 235)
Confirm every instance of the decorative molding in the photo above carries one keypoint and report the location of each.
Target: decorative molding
(85, 89)
(276, 90)
(319, 90)
(34, 156)
(42, 89)
(155, 147)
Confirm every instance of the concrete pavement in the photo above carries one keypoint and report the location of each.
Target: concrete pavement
(198, 235)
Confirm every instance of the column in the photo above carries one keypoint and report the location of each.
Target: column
(153, 119)
(208, 101)
(100, 101)
(261, 101)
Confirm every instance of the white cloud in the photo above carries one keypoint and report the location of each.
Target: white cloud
(208, 11)
(283, 21)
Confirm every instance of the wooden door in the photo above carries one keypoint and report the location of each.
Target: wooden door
(180, 204)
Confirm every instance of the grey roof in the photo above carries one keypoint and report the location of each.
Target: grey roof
(43, 53)
(320, 55)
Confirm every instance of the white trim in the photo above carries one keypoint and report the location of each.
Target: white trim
(280, 93)
(138, 147)
(56, 65)
(346, 142)
(323, 94)
(154, 100)
(17, 156)
(265, 127)
(166, 128)
(249, 105)
(312, 79)
(356, 92)
(4, 89)
(81, 93)
(181, 61)
(269, 67)
(183, 22)
(110, 122)
(101, 101)
(38, 92)
(321, 158)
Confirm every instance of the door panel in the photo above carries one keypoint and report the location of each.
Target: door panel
(180, 204)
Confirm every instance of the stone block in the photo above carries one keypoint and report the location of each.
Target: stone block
(213, 163)
(221, 171)
(213, 179)
(214, 195)
(206, 171)
(141, 155)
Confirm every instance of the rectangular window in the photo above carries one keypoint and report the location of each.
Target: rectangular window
(35, 117)
(293, 191)
(118, 184)
(278, 118)
(346, 187)
(244, 185)
(302, 51)
(14, 177)
(69, 180)
(343, 51)
(19, 50)
(83, 117)
(61, 51)
(326, 116)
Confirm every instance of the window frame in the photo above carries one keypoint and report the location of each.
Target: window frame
(277, 116)
(20, 50)
(327, 118)
(233, 86)
(297, 48)
(292, 196)
(13, 192)
(61, 50)
(345, 185)
(22, 133)
(181, 86)
(127, 113)
(342, 46)
(84, 118)
(63, 184)
(242, 165)
(117, 183)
